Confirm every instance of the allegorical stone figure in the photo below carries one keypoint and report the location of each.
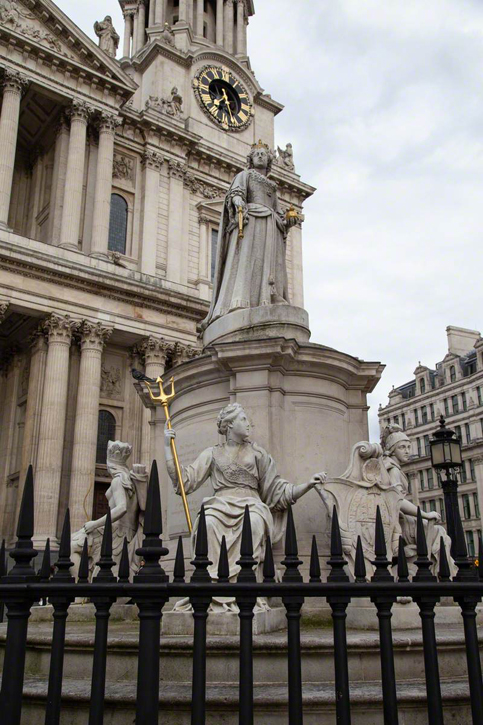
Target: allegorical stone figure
(251, 271)
(108, 38)
(241, 473)
(126, 497)
(397, 451)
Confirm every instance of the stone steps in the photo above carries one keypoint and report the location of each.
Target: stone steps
(270, 703)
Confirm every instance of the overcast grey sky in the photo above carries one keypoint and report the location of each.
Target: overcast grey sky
(384, 107)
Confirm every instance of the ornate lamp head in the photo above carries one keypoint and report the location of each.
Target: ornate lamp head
(118, 452)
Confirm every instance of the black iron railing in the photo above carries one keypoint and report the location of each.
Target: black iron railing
(151, 589)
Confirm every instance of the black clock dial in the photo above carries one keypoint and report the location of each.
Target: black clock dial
(223, 98)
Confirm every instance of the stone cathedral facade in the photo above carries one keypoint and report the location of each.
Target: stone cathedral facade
(112, 176)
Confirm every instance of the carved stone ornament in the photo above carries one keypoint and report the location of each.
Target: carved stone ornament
(155, 349)
(80, 110)
(196, 186)
(176, 169)
(108, 122)
(284, 157)
(13, 80)
(17, 18)
(183, 353)
(166, 35)
(93, 335)
(3, 309)
(60, 329)
(169, 106)
(111, 381)
(152, 159)
(123, 168)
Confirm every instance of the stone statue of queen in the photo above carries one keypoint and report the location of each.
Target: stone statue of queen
(241, 473)
(251, 272)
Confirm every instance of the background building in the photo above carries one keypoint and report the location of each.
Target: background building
(112, 177)
(454, 389)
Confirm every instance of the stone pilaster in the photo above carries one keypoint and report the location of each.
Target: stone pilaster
(199, 17)
(177, 251)
(3, 310)
(141, 24)
(159, 14)
(10, 368)
(128, 27)
(478, 462)
(229, 23)
(93, 337)
(52, 427)
(71, 212)
(152, 14)
(58, 178)
(190, 12)
(152, 163)
(135, 46)
(155, 351)
(240, 28)
(219, 22)
(136, 409)
(14, 84)
(108, 123)
(38, 360)
(183, 10)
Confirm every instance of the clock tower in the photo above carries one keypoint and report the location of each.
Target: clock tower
(200, 103)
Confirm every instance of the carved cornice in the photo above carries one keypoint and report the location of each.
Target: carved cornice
(93, 335)
(14, 81)
(197, 186)
(152, 159)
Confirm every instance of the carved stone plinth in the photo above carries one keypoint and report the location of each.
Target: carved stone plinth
(270, 321)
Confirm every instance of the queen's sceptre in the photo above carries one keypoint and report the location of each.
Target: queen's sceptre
(165, 400)
(241, 233)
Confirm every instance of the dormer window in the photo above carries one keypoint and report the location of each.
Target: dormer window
(422, 386)
(452, 374)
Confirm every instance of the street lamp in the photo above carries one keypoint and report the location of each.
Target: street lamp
(446, 456)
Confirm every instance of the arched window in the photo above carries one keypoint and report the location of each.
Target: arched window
(106, 431)
(117, 224)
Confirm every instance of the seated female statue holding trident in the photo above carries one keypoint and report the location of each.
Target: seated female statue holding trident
(241, 474)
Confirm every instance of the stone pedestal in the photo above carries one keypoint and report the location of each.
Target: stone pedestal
(362, 614)
(307, 404)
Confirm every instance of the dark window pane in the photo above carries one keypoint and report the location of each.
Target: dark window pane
(106, 431)
(118, 224)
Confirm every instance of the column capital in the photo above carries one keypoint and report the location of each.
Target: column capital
(230, 2)
(62, 124)
(176, 169)
(108, 122)
(182, 353)
(14, 81)
(203, 219)
(93, 335)
(152, 159)
(59, 329)
(3, 309)
(80, 110)
(37, 339)
(155, 349)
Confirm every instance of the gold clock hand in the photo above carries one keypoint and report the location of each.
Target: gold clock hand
(227, 103)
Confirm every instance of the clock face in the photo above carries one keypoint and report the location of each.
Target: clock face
(223, 98)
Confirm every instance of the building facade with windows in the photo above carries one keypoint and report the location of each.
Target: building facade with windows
(112, 179)
(454, 388)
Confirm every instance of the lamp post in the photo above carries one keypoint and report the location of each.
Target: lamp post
(446, 456)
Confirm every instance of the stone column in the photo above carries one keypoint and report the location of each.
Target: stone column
(240, 28)
(478, 462)
(141, 25)
(38, 360)
(152, 13)
(219, 22)
(183, 10)
(152, 162)
(58, 178)
(127, 35)
(135, 43)
(159, 14)
(176, 263)
(93, 338)
(190, 12)
(52, 428)
(204, 264)
(200, 16)
(71, 212)
(13, 85)
(229, 26)
(102, 202)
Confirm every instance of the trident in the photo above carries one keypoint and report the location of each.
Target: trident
(165, 400)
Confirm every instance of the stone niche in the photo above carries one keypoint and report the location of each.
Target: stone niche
(307, 405)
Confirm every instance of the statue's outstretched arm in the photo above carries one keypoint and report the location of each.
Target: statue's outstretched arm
(303, 488)
(411, 510)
